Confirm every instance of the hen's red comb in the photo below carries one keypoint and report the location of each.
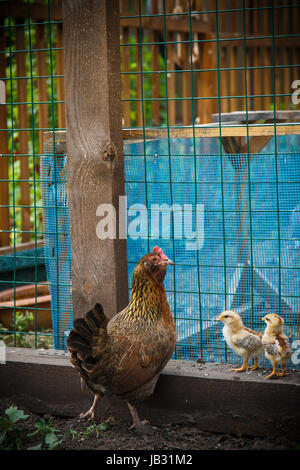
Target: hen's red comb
(163, 256)
(159, 251)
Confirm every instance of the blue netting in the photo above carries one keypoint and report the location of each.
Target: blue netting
(57, 249)
(253, 269)
(249, 260)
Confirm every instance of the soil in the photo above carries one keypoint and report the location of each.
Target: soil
(76, 434)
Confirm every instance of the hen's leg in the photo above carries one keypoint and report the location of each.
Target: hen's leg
(136, 422)
(90, 414)
(242, 368)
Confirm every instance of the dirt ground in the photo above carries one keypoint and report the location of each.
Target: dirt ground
(75, 434)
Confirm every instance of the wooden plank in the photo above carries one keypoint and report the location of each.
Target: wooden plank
(209, 79)
(186, 86)
(41, 59)
(95, 151)
(125, 68)
(251, 116)
(23, 136)
(138, 77)
(45, 383)
(155, 37)
(171, 77)
(173, 24)
(5, 250)
(203, 131)
(60, 81)
(4, 192)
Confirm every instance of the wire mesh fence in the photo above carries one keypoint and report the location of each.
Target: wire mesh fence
(31, 70)
(211, 144)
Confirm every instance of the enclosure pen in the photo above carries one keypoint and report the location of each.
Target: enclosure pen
(207, 155)
(149, 166)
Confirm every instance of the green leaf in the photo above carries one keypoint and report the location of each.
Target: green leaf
(14, 414)
(37, 447)
(51, 438)
(56, 444)
(2, 436)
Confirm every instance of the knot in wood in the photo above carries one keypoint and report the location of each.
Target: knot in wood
(109, 153)
(88, 286)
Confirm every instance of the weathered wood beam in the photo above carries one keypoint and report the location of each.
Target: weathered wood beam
(172, 24)
(95, 150)
(212, 131)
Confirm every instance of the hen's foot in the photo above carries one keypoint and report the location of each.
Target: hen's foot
(138, 424)
(142, 427)
(90, 414)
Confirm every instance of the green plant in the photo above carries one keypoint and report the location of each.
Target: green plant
(25, 337)
(95, 428)
(10, 431)
(73, 433)
(51, 439)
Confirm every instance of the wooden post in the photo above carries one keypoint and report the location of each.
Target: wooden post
(95, 151)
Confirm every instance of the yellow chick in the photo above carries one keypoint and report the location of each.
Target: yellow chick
(245, 342)
(275, 342)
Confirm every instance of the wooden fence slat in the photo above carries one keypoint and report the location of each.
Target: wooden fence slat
(139, 104)
(171, 77)
(186, 87)
(41, 59)
(155, 37)
(23, 136)
(4, 161)
(60, 81)
(125, 68)
(95, 151)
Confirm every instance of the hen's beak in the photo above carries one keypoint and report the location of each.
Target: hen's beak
(167, 261)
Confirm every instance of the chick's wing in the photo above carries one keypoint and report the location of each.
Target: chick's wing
(251, 342)
(272, 348)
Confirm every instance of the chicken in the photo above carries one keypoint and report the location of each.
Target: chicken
(275, 342)
(245, 342)
(127, 354)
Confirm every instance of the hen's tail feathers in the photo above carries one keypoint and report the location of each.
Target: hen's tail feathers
(87, 342)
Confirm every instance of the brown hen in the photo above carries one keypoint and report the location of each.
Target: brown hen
(127, 354)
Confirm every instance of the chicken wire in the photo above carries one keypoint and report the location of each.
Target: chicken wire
(162, 92)
(204, 282)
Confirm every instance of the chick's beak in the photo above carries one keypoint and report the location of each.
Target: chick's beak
(220, 318)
